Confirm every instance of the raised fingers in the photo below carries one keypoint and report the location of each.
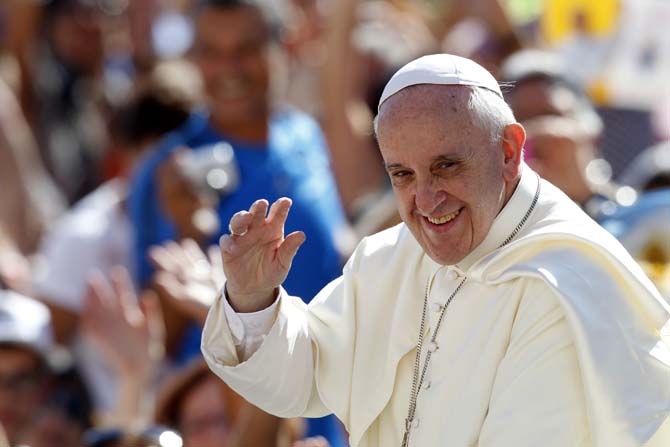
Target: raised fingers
(178, 254)
(218, 276)
(289, 247)
(163, 260)
(100, 290)
(239, 223)
(101, 303)
(258, 210)
(125, 293)
(169, 284)
(214, 256)
(278, 214)
(153, 314)
(193, 251)
(242, 222)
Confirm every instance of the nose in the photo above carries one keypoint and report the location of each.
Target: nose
(221, 67)
(428, 197)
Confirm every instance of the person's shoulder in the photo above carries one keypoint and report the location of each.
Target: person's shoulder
(109, 194)
(297, 140)
(184, 135)
(290, 115)
(288, 121)
(562, 259)
(93, 214)
(142, 178)
(558, 236)
(557, 218)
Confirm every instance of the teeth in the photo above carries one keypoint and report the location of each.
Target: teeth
(443, 219)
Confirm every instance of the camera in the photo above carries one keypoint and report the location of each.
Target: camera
(211, 168)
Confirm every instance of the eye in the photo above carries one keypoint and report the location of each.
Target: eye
(400, 176)
(445, 164)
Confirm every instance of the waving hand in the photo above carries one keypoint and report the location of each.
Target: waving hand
(256, 255)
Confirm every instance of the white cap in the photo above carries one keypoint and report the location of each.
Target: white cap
(441, 69)
(26, 322)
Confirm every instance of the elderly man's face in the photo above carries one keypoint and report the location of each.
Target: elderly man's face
(450, 179)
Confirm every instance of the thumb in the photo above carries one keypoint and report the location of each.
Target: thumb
(289, 248)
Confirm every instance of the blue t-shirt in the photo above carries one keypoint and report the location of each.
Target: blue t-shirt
(293, 163)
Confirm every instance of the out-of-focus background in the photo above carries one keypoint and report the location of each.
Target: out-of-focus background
(131, 131)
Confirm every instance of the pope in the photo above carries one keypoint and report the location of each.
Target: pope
(496, 314)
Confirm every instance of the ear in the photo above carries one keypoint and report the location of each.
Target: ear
(512, 144)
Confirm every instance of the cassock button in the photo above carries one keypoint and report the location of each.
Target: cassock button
(432, 346)
(452, 274)
(415, 423)
(436, 307)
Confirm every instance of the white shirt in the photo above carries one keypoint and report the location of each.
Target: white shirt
(95, 235)
(249, 329)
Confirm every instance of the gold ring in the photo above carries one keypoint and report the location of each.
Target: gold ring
(232, 233)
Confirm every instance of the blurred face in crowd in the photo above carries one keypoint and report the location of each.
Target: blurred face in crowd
(231, 50)
(537, 97)
(203, 416)
(450, 179)
(51, 427)
(77, 37)
(558, 153)
(23, 384)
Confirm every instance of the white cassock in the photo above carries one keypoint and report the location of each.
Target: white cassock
(556, 339)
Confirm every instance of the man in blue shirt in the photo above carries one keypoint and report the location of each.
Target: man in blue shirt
(278, 152)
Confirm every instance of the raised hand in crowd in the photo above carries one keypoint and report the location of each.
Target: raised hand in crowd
(191, 280)
(187, 277)
(256, 255)
(3, 438)
(14, 266)
(130, 334)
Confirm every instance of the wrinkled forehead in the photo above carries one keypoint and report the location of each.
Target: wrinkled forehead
(423, 101)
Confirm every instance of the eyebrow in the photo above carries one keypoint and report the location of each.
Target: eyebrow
(393, 166)
(451, 158)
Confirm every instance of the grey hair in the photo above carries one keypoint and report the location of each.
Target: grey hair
(488, 112)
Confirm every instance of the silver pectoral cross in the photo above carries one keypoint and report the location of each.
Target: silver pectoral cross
(405, 438)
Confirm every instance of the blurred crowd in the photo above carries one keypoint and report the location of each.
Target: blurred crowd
(131, 131)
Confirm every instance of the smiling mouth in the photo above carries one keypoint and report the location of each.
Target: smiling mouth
(443, 219)
(232, 89)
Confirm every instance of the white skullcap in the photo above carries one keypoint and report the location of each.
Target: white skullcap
(441, 69)
(26, 322)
